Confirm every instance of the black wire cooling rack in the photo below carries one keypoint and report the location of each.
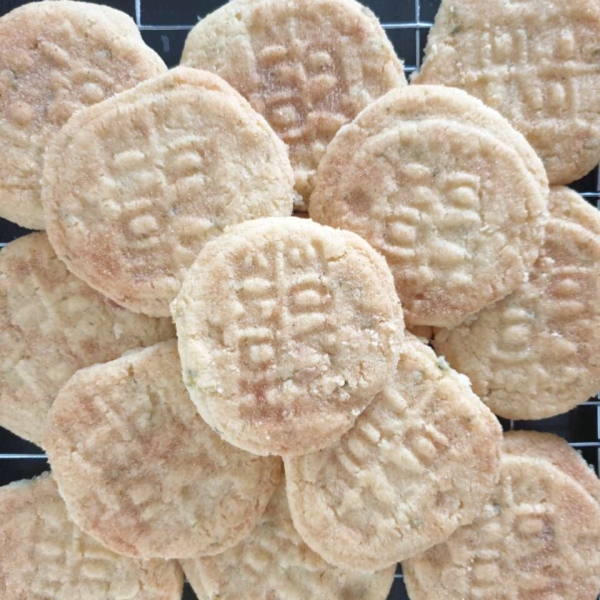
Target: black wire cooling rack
(164, 26)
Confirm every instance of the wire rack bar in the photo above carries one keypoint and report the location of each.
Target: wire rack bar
(418, 26)
(23, 456)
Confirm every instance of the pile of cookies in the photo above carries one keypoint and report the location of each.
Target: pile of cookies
(284, 407)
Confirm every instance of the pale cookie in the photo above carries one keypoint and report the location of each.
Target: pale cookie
(136, 185)
(536, 62)
(535, 353)
(51, 325)
(549, 447)
(43, 556)
(140, 470)
(56, 58)
(275, 564)
(308, 66)
(538, 537)
(287, 330)
(432, 101)
(420, 462)
(454, 206)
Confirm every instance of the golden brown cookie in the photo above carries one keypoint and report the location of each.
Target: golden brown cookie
(43, 556)
(455, 206)
(420, 462)
(538, 537)
(287, 330)
(536, 62)
(534, 354)
(56, 58)
(140, 470)
(308, 66)
(275, 564)
(51, 325)
(136, 185)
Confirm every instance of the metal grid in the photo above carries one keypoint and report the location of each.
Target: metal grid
(164, 27)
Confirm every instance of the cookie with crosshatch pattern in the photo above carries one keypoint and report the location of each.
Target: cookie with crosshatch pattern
(536, 62)
(140, 470)
(135, 186)
(43, 555)
(309, 66)
(51, 325)
(287, 330)
(421, 461)
(422, 174)
(537, 537)
(274, 562)
(56, 58)
(534, 354)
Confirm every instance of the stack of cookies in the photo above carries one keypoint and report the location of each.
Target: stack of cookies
(285, 408)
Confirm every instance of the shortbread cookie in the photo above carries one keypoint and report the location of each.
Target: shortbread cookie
(549, 447)
(538, 537)
(536, 62)
(420, 462)
(56, 58)
(274, 563)
(433, 101)
(134, 186)
(309, 66)
(51, 325)
(287, 330)
(535, 353)
(456, 209)
(44, 556)
(140, 470)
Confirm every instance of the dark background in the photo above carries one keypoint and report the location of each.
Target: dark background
(164, 26)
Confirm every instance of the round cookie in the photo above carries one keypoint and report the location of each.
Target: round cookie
(51, 325)
(135, 186)
(420, 462)
(431, 193)
(434, 101)
(534, 354)
(536, 62)
(538, 537)
(43, 555)
(54, 60)
(274, 562)
(287, 330)
(308, 66)
(140, 470)
(556, 450)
